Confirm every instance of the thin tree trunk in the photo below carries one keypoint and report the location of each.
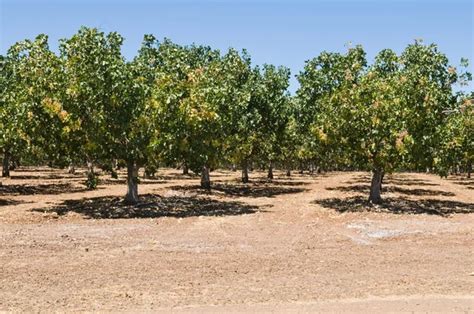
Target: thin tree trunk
(185, 168)
(375, 197)
(113, 171)
(381, 180)
(16, 163)
(469, 169)
(12, 164)
(91, 181)
(301, 168)
(245, 172)
(148, 173)
(270, 171)
(205, 178)
(71, 169)
(132, 183)
(90, 168)
(6, 165)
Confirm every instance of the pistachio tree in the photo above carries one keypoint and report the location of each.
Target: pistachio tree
(456, 149)
(40, 76)
(91, 66)
(269, 96)
(176, 73)
(108, 98)
(381, 117)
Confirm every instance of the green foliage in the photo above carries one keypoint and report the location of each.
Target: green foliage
(92, 181)
(457, 139)
(384, 116)
(176, 104)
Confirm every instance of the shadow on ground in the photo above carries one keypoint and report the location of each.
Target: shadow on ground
(394, 189)
(7, 202)
(42, 189)
(398, 181)
(262, 182)
(109, 181)
(253, 189)
(46, 177)
(468, 183)
(398, 206)
(150, 206)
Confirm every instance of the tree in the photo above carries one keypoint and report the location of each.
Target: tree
(381, 117)
(108, 98)
(13, 110)
(272, 101)
(456, 148)
(39, 74)
(176, 72)
(91, 60)
(195, 102)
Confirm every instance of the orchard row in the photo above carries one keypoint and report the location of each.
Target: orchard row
(200, 108)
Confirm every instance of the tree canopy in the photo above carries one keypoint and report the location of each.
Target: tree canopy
(199, 108)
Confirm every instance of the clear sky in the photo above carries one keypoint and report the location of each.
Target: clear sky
(279, 32)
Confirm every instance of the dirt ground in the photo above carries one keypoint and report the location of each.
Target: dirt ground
(299, 244)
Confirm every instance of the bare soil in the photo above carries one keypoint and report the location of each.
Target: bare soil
(303, 244)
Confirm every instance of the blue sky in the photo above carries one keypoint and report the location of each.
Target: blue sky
(278, 32)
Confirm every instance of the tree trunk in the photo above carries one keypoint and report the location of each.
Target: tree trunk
(234, 168)
(205, 178)
(71, 169)
(185, 168)
(469, 169)
(381, 180)
(301, 171)
(91, 181)
(113, 170)
(270, 171)
(132, 183)
(90, 168)
(245, 172)
(6, 165)
(16, 163)
(375, 187)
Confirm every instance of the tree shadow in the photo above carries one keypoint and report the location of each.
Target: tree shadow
(150, 206)
(169, 177)
(109, 181)
(43, 189)
(259, 182)
(8, 202)
(408, 182)
(22, 169)
(282, 182)
(46, 177)
(394, 189)
(240, 190)
(468, 183)
(397, 206)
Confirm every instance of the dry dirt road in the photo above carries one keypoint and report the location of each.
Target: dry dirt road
(299, 244)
